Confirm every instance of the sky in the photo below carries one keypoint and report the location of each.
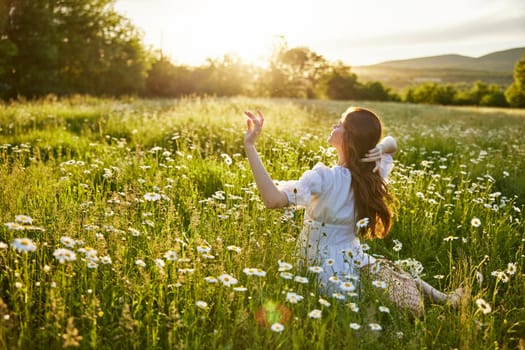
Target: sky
(355, 32)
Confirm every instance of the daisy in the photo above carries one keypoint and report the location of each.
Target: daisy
(475, 222)
(23, 245)
(355, 326)
(68, 241)
(301, 279)
(379, 284)
(23, 219)
(106, 260)
(134, 232)
(152, 196)
(353, 307)
(170, 255)
(347, 286)
(338, 296)
(286, 275)
(316, 314)
(92, 265)
(316, 269)
(260, 273)
(233, 248)
(384, 309)
(293, 298)
(203, 249)
(3, 245)
(363, 223)
(249, 271)
(277, 327)
(201, 304)
(330, 262)
(227, 280)
(140, 262)
(334, 279)
(479, 277)
(511, 269)
(160, 263)
(284, 266)
(63, 255)
(14, 226)
(375, 326)
(483, 306)
(240, 289)
(324, 302)
(211, 279)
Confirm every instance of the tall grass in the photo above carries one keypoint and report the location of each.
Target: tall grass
(155, 203)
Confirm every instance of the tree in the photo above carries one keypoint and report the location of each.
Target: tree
(71, 46)
(340, 83)
(515, 93)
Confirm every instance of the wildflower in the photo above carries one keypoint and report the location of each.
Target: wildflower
(511, 269)
(301, 279)
(475, 222)
(240, 289)
(233, 248)
(450, 238)
(316, 314)
(365, 247)
(293, 298)
(92, 265)
(353, 307)
(379, 284)
(375, 326)
(170, 255)
(160, 263)
(483, 306)
(140, 262)
(201, 304)
(249, 271)
(384, 309)
(479, 277)
(338, 296)
(324, 302)
(347, 286)
(334, 279)
(203, 249)
(14, 226)
(18, 285)
(23, 245)
(397, 245)
(362, 223)
(284, 266)
(134, 232)
(211, 279)
(68, 241)
(3, 245)
(227, 280)
(277, 327)
(439, 277)
(330, 261)
(152, 196)
(63, 255)
(355, 326)
(316, 269)
(501, 276)
(286, 275)
(106, 260)
(23, 219)
(260, 273)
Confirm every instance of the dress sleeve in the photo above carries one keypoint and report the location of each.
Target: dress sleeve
(386, 165)
(299, 192)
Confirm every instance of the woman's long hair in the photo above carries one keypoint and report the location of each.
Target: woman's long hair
(372, 199)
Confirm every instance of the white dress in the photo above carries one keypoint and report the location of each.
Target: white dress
(329, 235)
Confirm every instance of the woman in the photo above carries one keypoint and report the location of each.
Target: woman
(342, 202)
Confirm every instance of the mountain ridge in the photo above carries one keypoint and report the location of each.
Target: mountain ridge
(498, 61)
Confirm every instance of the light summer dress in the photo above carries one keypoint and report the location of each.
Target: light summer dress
(329, 235)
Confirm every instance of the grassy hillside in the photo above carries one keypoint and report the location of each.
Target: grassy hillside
(494, 68)
(135, 224)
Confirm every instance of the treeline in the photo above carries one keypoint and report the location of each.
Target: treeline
(66, 47)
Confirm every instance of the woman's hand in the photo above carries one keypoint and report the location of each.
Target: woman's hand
(374, 155)
(255, 123)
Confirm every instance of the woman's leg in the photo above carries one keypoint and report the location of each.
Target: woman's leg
(437, 296)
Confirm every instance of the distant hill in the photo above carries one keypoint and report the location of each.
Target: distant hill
(493, 68)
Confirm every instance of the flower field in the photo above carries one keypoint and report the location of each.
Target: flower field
(135, 224)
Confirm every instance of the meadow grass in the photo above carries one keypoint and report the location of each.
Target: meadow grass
(136, 224)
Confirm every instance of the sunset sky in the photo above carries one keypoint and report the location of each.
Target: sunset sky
(355, 32)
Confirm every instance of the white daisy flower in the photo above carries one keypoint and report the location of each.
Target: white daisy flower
(316, 314)
(277, 327)
(483, 306)
(24, 245)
